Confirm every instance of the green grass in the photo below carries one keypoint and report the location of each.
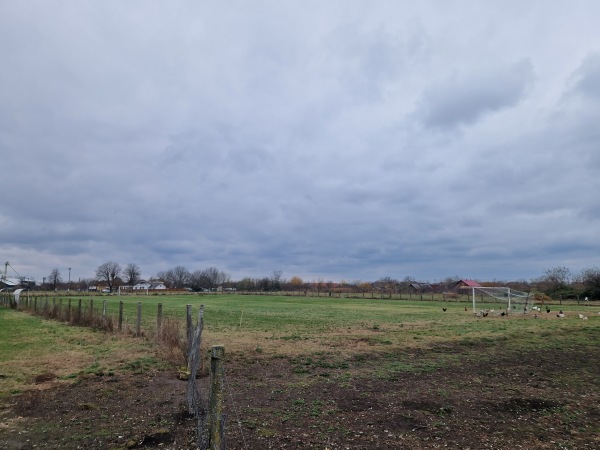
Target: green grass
(296, 314)
(32, 346)
(320, 333)
(378, 322)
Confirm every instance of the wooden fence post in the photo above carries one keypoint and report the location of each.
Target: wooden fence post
(216, 400)
(104, 313)
(91, 309)
(196, 405)
(158, 319)
(121, 315)
(138, 323)
(189, 326)
(79, 311)
(69, 311)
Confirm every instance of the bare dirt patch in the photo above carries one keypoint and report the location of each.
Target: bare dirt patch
(480, 398)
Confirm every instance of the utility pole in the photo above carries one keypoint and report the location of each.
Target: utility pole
(6, 264)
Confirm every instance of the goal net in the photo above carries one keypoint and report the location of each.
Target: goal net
(501, 299)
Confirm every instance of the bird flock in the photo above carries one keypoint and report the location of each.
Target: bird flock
(537, 309)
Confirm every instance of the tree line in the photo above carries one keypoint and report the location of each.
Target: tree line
(112, 275)
(560, 282)
(557, 282)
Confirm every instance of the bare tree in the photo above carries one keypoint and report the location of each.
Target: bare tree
(132, 274)
(108, 272)
(388, 284)
(162, 276)
(246, 284)
(556, 278)
(263, 284)
(210, 278)
(54, 279)
(178, 277)
(85, 283)
(590, 278)
(276, 280)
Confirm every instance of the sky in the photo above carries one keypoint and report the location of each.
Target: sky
(339, 140)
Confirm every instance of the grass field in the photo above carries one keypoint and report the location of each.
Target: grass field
(324, 367)
(277, 325)
(32, 346)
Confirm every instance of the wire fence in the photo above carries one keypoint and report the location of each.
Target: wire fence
(208, 411)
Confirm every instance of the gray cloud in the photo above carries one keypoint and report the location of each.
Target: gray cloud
(464, 99)
(587, 77)
(338, 141)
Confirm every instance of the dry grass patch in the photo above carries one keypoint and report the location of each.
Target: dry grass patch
(33, 347)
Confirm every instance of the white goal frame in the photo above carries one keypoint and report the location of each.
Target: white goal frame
(511, 297)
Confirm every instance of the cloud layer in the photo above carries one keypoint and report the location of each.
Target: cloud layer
(342, 141)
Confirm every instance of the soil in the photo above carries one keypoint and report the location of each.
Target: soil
(479, 398)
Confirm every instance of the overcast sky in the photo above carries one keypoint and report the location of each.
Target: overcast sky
(327, 139)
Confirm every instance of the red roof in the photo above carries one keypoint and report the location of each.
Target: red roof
(470, 283)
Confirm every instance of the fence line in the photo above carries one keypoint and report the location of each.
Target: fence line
(87, 312)
(210, 417)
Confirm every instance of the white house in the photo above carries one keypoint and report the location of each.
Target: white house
(147, 285)
(142, 285)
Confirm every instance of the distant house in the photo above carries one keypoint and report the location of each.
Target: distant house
(420, 287)
(142, 285)
(466, 284)
(149, 285)
(9, 283)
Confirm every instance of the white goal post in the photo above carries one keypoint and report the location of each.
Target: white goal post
(511, 300)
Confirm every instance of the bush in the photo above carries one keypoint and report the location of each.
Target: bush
(172, 345)
(564, 293)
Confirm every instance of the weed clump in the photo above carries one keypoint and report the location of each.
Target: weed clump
(172, 346)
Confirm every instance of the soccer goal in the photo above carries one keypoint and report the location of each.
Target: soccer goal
(509, 300)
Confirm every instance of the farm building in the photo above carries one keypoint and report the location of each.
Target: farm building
(465, 284)
(420, 287)
(9, 283)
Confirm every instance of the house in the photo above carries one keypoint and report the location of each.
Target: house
(149, 285)
(143, 284)
(420, 287)
(466, 284)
